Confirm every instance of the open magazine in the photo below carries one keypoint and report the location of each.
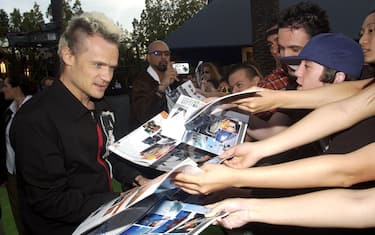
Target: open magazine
(148, 210)
(202, 115)
(187, 89)
(164, 141)
(133, 196)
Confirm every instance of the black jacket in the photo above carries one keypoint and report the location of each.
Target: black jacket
(61, 173)
(146, 102)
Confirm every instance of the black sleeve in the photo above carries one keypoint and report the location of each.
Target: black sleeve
(146, 102)
(43, 176)
(125, 171)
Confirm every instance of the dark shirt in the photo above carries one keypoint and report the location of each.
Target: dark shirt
(61, 171)
(146, 101)
(353, 138)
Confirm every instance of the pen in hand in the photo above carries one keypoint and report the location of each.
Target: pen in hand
(226, 158)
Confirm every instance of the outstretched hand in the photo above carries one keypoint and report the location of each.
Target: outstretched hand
(265, 100)
(213, 177)
(239, 213)
(241, 156)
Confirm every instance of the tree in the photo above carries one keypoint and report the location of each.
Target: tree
(15, 21)
(68, 10)
(4, 23)
(160, 17)
(32, 20)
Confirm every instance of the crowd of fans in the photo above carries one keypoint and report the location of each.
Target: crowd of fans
(306, 162)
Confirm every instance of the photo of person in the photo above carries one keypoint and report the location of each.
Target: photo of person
(229, 126)
(170, 224)
(151, 127)
(151, 220)
(152, 139)
(190, 225)
(158, 149)
(180, 153)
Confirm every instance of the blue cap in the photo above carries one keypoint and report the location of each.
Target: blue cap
(335, 51)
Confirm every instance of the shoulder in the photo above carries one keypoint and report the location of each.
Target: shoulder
(144, 82)
(33, 110)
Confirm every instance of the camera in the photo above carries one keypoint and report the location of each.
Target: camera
(181, 68)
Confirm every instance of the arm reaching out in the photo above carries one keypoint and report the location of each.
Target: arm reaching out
(320, 123)
(329, 208)
(334, 170)
(308, 99)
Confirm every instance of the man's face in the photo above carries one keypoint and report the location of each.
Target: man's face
(308, 75)
(239, 81)
(291, 41)
(273, 45)
(367, 39)
(159, 57)
(9, 91)
(91, 67)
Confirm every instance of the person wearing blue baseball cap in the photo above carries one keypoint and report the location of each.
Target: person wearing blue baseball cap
(327, 58)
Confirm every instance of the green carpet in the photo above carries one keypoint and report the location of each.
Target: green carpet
(7, 217)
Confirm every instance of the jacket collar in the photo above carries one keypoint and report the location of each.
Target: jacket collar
(65, 98)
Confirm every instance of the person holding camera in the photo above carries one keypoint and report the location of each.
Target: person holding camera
(148, 93)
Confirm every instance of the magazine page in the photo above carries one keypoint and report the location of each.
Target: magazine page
(219, 132)
(172, 217)
(146, 144)
(123, 220)
(187, 89)
(179, 154)
(222, 103)
(131, 197)
(174, 126)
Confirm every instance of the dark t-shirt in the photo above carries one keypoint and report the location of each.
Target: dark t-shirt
(353, 138)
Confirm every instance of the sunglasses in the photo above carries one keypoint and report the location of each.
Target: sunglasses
(160, 53)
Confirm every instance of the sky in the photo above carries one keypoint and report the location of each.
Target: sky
(121, 11)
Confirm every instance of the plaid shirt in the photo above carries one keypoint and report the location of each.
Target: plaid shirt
(277, 80)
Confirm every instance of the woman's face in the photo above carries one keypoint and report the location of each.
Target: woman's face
(367, 39)
(206, 73)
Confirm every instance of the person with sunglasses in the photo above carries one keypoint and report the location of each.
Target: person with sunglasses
(148, 96)
(148, 92)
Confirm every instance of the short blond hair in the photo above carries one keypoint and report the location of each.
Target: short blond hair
(88, 23)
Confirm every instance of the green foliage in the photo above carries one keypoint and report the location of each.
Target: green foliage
(26, 22)
(15, 21)
(4, 23)
(32, 20)
(69, 10)
(160, 17)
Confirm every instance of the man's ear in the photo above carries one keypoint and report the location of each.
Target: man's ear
(67, 56)
(339, 77)
(256, 79)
